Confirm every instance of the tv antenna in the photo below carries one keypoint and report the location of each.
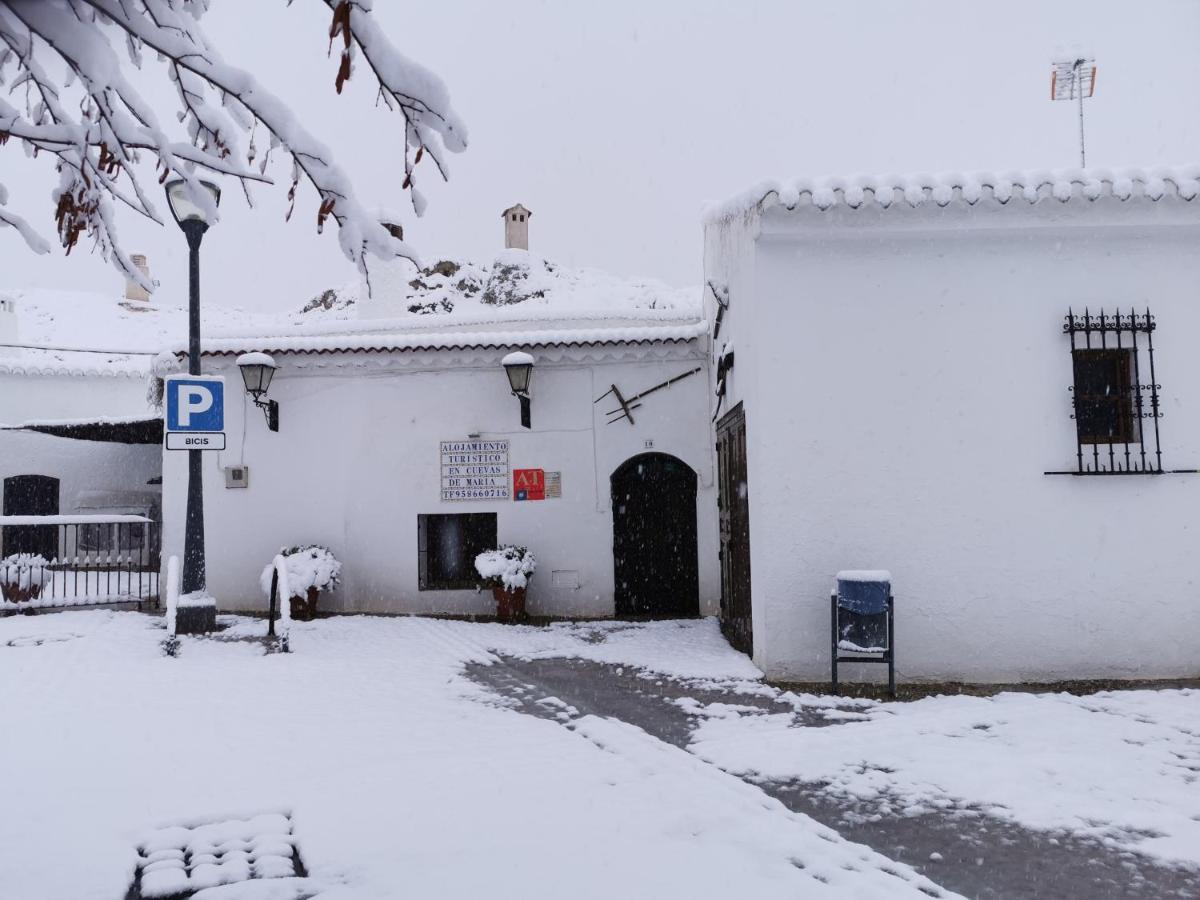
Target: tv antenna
(1074, 79)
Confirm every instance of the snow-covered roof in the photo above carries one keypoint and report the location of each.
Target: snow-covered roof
(77, 365)
(497, 339)
(518, 299)
(883, 191)
(82, 333)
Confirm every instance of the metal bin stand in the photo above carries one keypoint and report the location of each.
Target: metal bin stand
(861, 616)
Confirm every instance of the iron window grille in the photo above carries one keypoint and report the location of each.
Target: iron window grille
(1114, 397)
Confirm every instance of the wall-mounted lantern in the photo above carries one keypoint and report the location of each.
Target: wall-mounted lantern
(257, 371)
(519, 368)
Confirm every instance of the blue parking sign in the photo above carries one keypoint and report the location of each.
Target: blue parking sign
(195, 403)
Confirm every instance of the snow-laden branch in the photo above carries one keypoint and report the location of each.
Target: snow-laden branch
(10, 219)
(96, 125)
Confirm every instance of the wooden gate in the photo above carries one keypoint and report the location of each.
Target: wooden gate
(734, 506)
(654, 537)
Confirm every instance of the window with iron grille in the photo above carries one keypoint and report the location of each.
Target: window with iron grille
(1114, 397)
(447, 545)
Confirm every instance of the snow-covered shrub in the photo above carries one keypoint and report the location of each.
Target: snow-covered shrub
(22, 576)
(311, 566)
(507, 567)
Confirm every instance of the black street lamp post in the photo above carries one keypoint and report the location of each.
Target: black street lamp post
(193, 219)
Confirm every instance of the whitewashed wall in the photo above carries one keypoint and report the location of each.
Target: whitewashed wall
(29, 397)
(79, 465)
(907, 390)
(357, 459)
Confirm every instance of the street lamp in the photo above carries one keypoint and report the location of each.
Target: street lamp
(519, 368)
(193, 219)
(257, 371)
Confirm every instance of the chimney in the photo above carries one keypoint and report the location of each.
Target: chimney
(516, 227)
(133, 290)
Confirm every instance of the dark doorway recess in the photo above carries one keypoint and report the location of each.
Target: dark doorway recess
(654, 537)
(734, 510)
(30, 495)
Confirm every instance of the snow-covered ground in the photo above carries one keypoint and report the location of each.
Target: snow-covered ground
(403, 778)
(1122, 766)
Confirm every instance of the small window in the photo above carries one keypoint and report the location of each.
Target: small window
(1114, 393)
(1104, 398)
(522, 217)
(447, 546)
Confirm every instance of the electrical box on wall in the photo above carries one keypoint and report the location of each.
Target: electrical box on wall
(237, 476)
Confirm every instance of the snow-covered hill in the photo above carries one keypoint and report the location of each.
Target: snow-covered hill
(53, 327)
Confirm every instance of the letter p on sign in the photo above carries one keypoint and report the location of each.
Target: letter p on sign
(195, 403)
(193, 399)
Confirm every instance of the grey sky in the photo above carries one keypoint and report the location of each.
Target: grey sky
(617, 122)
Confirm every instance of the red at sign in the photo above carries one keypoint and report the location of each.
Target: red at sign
(529, 484)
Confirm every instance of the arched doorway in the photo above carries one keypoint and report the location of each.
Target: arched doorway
(30, 495)
(654, 537)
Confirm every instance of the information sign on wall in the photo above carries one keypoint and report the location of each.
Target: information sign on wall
(475, 470)
(529, 484)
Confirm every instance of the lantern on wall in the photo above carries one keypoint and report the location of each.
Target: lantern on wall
(518, 366)
(257, 371)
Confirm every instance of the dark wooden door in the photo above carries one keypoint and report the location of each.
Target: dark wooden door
(30, 495)
(734, 507)
(654, 537)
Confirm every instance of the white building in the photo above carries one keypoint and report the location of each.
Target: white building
(77, 433)
(400, 446)
(905, 371)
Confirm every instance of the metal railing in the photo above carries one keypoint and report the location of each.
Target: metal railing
(1117, 412)
(84, 560)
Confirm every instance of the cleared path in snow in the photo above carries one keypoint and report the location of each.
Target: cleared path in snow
(977, 854)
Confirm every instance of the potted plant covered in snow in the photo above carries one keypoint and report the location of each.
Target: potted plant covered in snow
(22, 576)
(506, 571)
(311, 569)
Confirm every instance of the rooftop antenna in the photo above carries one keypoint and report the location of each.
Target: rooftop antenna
(1074, 79)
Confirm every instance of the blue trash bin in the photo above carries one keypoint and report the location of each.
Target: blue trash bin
(864, 592)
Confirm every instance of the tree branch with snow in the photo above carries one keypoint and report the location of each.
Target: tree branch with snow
(66, 94)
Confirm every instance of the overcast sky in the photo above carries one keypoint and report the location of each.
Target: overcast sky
(616, 123)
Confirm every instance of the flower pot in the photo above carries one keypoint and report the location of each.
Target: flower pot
(305, 608)
(14, 593)
(510, 604)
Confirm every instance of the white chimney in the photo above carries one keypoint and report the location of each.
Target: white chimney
(516, 227)
(8, 325)
(133, 290)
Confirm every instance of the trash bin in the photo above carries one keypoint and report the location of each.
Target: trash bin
(862, 624)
